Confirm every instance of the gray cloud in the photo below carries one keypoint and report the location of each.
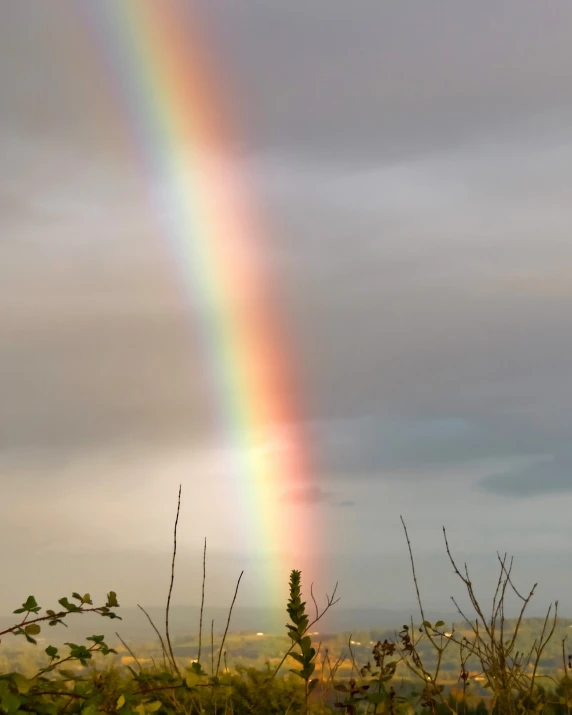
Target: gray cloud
(412, 165)
(553, 474)
(315, 495)
(370, 446)
(382, 80)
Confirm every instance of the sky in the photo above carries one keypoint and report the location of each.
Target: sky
(412, 163)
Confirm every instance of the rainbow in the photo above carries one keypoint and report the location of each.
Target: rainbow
(154, 56)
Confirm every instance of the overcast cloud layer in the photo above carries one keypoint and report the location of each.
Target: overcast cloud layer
(413, 162)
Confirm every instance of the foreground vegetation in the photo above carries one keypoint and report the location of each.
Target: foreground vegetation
(490, 664)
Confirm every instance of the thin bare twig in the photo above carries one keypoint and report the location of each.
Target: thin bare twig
(158, 634)
(202, 601)
(413, 570)
(522, 598)
(228, 622)
(175, 666)
(212, 647)
(130, 651)
(314, 598)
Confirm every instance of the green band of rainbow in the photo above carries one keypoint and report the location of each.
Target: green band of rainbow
(153, 52)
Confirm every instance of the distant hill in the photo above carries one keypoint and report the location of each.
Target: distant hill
(134, 625)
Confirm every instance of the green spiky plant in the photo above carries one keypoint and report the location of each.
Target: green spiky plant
(297, 632)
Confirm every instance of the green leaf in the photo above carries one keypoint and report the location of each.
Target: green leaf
(11, 703)
(191, 679)
(30, 603)
(307, 670)
(375, 698)
(67, 605)
(313, 684)
(32, 629)
(67, 674)
(305, 643)
(22, 683)
(95, 639)
(439, 624)
(296, 672)
(196, 667)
